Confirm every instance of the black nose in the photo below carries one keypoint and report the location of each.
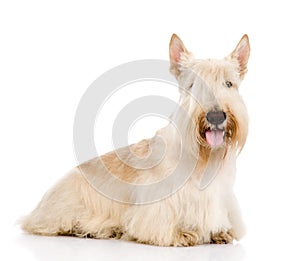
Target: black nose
(216, 117)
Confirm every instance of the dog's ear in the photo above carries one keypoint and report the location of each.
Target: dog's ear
(176, 51)
(241, 54)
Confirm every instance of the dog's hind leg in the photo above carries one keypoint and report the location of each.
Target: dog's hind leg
(56, 213)
(73, 207)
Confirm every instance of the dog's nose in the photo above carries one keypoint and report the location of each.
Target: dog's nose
(216, 117)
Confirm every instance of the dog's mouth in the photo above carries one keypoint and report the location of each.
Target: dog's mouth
(215, 137)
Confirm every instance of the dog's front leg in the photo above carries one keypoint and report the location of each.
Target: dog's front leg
(158, 224)
(235, 217)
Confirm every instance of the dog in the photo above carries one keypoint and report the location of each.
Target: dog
(184, 196)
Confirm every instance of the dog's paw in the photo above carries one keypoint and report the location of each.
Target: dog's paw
(188, 238)
(238, 231)
(222, 237)
(114, 232)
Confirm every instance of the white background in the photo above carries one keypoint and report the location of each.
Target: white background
(50, 52)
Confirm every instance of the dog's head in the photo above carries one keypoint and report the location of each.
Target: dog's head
(210, 93)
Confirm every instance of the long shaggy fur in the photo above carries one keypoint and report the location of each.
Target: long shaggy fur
(188, 215)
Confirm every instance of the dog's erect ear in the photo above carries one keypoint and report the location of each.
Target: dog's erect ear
(241, 54)
(177, 50)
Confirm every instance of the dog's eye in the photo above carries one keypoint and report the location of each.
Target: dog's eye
(191, 85)
(228, 84)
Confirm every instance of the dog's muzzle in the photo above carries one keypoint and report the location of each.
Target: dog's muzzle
(216, 133)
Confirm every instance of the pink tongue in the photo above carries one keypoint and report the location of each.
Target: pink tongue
(214, 137)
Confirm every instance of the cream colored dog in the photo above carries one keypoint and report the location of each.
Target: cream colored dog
(175, 189)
